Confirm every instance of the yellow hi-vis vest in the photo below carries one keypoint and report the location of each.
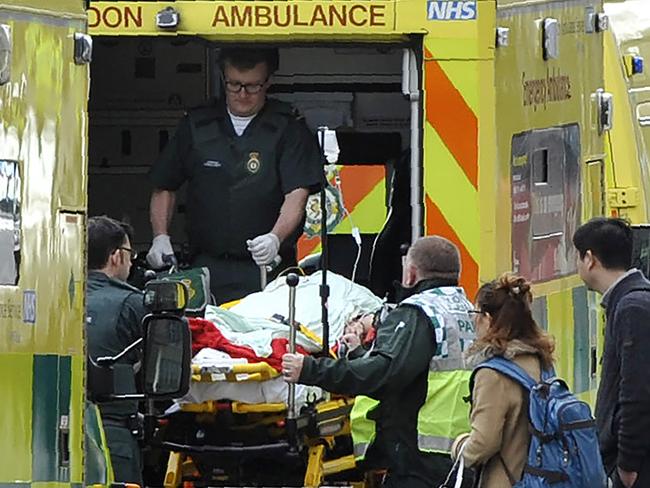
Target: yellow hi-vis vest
(445, 414)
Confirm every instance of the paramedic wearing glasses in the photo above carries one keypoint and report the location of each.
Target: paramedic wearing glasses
(114, 312)
(250, 165)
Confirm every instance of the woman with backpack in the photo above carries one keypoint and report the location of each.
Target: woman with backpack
(499, 440)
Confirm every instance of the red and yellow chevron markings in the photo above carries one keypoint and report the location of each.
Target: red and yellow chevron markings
(363, 190)
(451, 158)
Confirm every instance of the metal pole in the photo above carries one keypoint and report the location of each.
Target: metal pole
(324, 287)
(292, 281)
(411, 90)
(263, 276)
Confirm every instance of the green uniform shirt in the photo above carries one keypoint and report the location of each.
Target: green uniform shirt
(114, 321)
(237, 184)
(395, 372)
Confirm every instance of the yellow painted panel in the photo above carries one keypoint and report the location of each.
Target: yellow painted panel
(67, 6)
(242, 18)
(555, 286)
(16, 418)
(495, 248)
(560, 325)
(462, 39)
(627, 163)
(43, 119)
(369, 215)
(450, 189)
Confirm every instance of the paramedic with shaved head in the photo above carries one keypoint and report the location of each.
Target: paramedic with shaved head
(415, 371)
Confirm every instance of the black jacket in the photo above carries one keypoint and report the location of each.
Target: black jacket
(114, 312)
(395, 372)
(623, 404)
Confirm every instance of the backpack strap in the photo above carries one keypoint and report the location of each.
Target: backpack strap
(508, 368)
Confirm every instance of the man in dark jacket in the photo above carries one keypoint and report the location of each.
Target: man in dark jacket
(249, 164)
(417, 349)
(623, 404)
(114, 315)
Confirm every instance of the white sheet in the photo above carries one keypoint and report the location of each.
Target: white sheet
(346, 300)
(271, 391)
(248, 324)
(254, 332)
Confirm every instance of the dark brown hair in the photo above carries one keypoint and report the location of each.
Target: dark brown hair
(245, 58)
(507, 300)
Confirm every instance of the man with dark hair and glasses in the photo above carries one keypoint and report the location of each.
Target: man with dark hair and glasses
(114, 313)
(250, 165)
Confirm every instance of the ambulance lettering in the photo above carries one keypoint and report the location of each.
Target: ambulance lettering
(458, 10)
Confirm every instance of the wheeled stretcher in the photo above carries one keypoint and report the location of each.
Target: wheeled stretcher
(231, 438)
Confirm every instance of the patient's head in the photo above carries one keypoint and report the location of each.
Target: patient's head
(431, 257)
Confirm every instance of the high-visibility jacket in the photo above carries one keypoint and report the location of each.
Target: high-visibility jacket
(444, 414)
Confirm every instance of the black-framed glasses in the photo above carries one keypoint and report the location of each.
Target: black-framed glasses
(133, 253)
(249, 88)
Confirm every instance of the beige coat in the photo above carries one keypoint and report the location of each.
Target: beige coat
(499, 419)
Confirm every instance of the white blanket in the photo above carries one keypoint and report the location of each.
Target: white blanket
(249, 324)
(346, 300)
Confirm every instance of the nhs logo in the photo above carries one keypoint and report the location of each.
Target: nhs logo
(450, 10)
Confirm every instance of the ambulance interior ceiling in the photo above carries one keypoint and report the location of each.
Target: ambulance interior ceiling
(140, 88)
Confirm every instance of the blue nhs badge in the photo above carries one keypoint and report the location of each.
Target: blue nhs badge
(458, 10)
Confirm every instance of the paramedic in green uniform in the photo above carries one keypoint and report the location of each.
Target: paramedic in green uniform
(250, 165)
(415, 369)
(114, 315)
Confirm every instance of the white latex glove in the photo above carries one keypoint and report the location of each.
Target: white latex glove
(264, 248)
(161, 246)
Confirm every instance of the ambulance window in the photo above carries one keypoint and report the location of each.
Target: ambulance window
(540, 167)
(9, 221)
(545, 190)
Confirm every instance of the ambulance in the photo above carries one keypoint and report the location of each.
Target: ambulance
(475, 120)
(51, 432)
(483, 121)
(627, 52)
(478, 120)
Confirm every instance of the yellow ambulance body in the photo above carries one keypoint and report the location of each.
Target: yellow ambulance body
(43, 177)
(505, 121)
(507, 126)
(627, 77)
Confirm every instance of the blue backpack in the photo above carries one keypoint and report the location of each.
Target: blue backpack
(563, 449)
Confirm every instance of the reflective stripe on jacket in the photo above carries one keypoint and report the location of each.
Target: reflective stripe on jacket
(445, 414)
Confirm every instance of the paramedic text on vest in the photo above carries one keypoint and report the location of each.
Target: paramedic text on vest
(114, 316)
(415, 373)
(250, 164)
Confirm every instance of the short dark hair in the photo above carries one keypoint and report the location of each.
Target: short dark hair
(246, 58)
(105, 235)
(609, 239)
(435, 257)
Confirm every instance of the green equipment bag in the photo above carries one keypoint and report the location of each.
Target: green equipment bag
(197, 281)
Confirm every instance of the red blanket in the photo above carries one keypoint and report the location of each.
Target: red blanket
(206, 334)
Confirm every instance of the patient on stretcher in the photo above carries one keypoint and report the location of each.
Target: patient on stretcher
(256, 330)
